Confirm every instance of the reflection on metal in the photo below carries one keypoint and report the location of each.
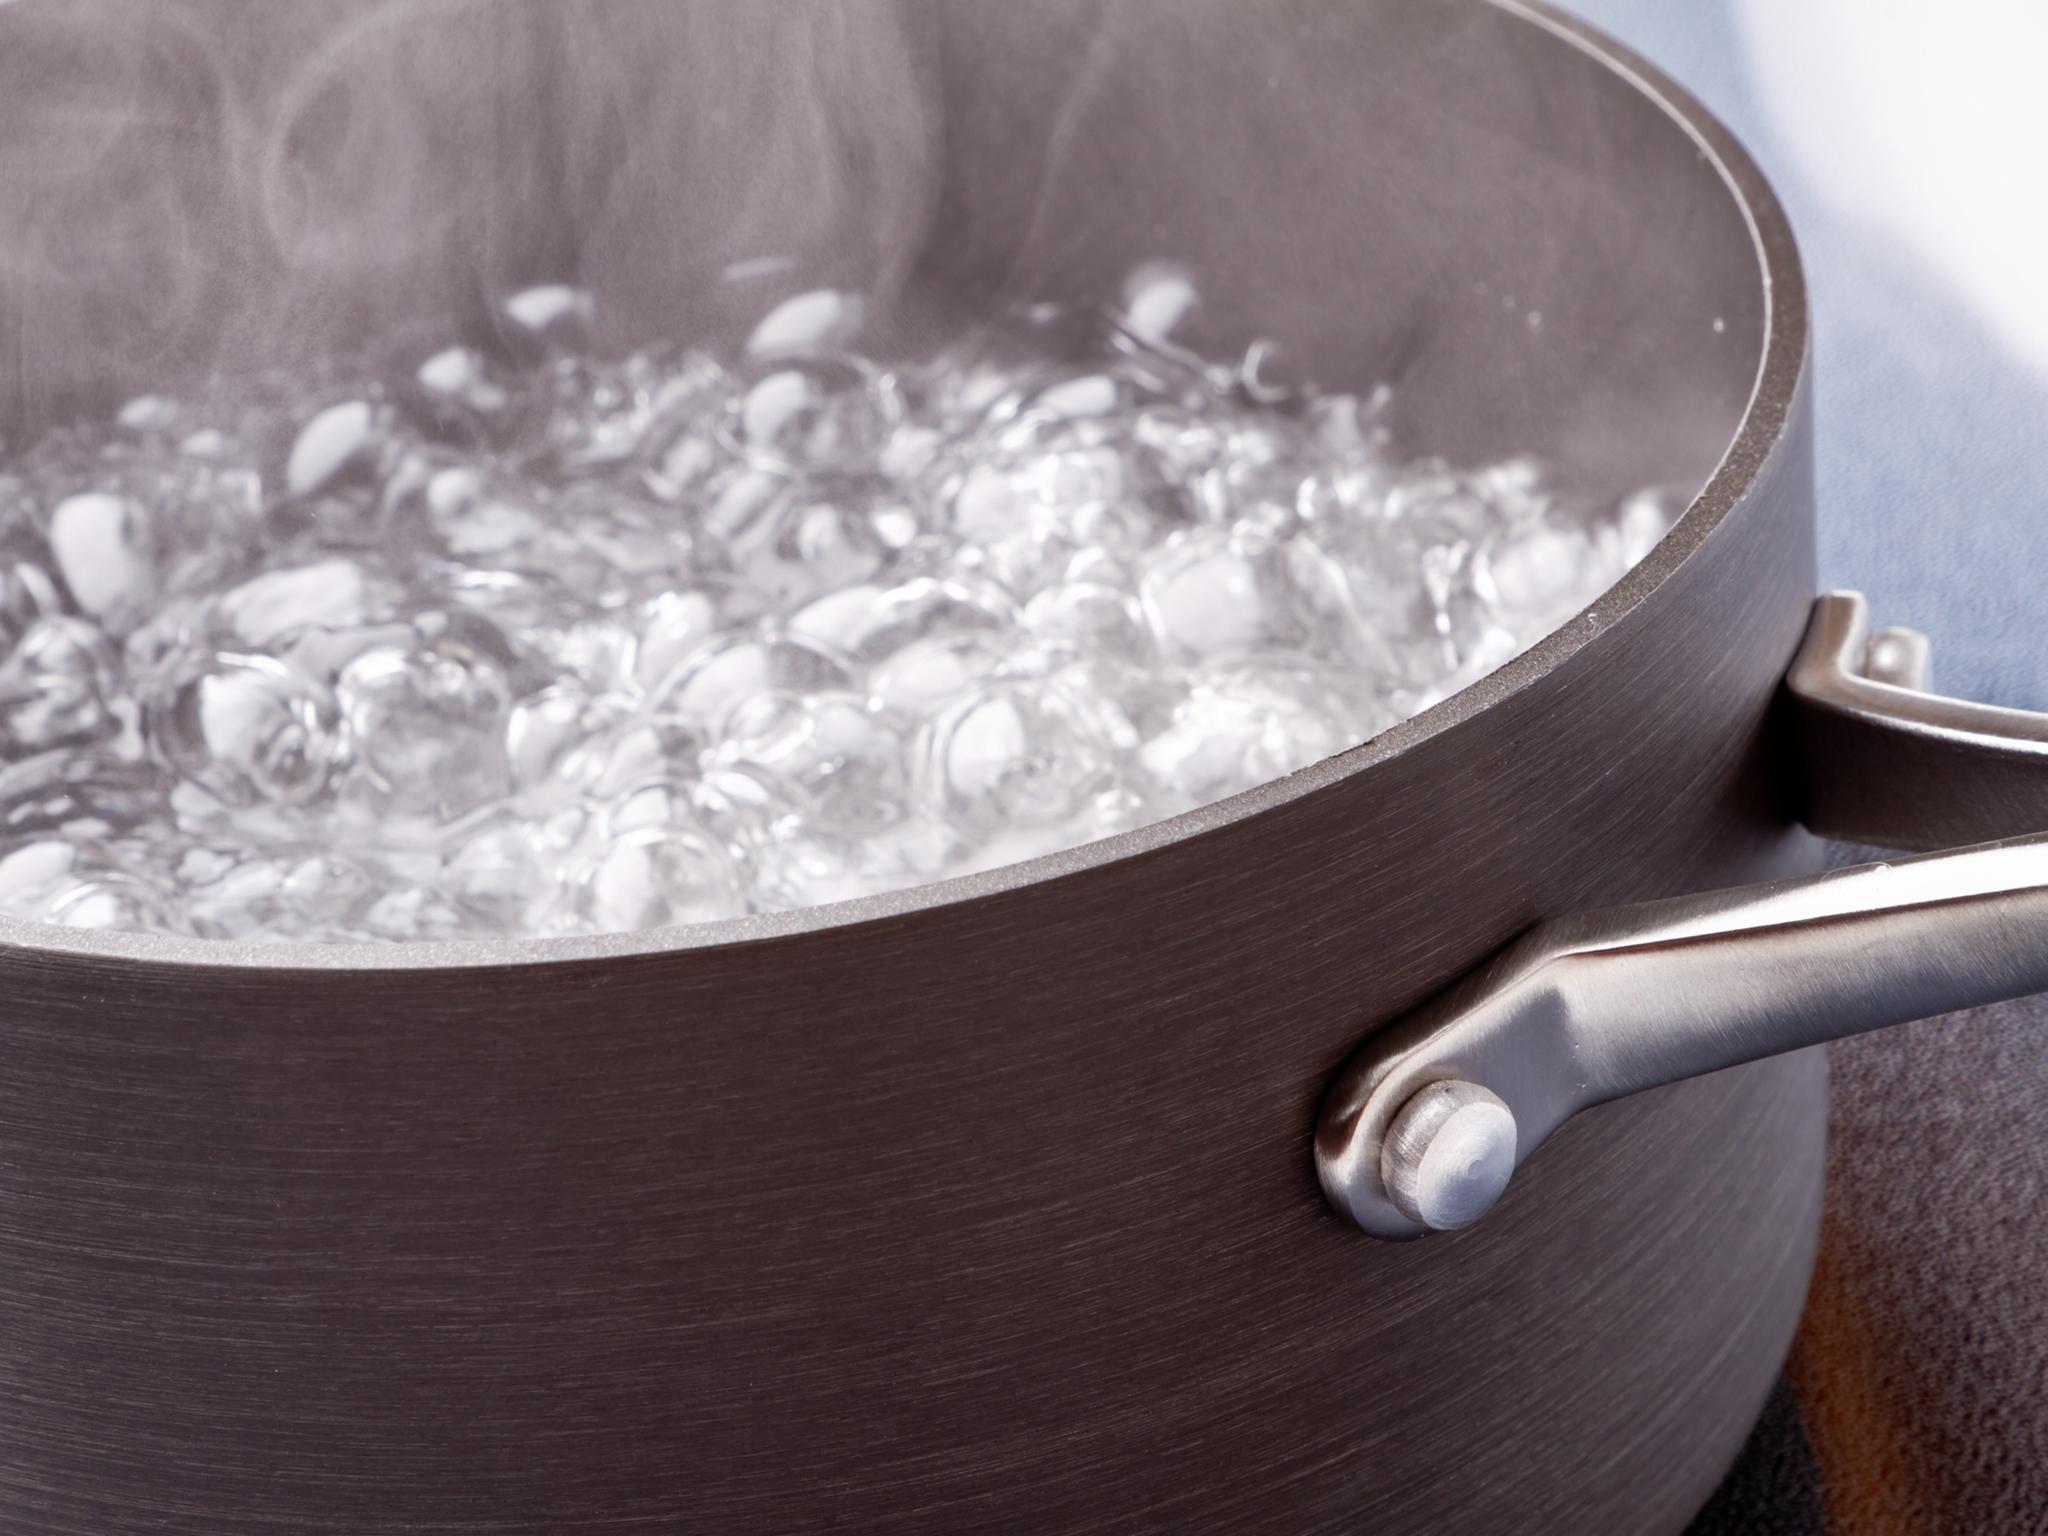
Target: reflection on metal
(1900, 657)
(1422, 1127)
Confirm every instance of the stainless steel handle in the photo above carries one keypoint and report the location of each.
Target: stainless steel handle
(1425, 1125)
(1885, 761)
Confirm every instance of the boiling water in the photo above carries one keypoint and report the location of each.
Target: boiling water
(535, 643)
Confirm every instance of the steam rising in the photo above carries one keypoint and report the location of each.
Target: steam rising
(822, 126)
(187, 185)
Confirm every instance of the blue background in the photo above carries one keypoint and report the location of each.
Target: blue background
(1933, 481)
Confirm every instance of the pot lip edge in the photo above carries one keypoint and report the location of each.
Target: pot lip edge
(1767, 415)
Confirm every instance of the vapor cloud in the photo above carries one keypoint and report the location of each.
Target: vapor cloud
(190, 185)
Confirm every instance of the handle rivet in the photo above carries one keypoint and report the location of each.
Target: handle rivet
(1448, 1155)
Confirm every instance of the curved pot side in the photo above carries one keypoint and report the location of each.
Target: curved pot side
(996, 1215)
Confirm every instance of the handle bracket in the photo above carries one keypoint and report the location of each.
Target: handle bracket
(1424, 1126)
(1886, 762)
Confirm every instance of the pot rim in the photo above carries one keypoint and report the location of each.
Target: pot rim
(1762, 425)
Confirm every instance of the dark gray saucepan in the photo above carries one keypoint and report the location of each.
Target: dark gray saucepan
(992, 1205)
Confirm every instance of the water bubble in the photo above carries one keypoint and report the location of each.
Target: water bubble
(32, 873)
(999, 496)
(797, 869)
(1091, 616)
(270, 607)
(927, 674)
(181, 631)
(652, 803)
(1016, 753)
(1514, 493)
(873, 623)
(1269, 375)
(1128, 696)
(1023, 563)
(413, 914)
(643, 751)
(1433, 565)
(515, 601)
(990, 502)
(337, 438)
(72, 790)
(1226, 471)
(816, 414)
(458, 396)
(149, 413)
(1230, 591)
(507, 873)
(786, 543)
(558, 737)
(114, 900)
(795, 872)
(599, 651)
(1157, 297)
(603, 416)
(250, 729)
(28, 590)
(292, 895)
(833, 756)
(428, 721)
(105, 549)
(895, 524)
(552, 316)
(1243, 724)
(716, 678)
(790, 629)
(840, 620)
(671, 625)
(475, 522)
(323, 654)
(1091, 394)
(1545, 572)
(610, 549)
(53, 687)
(321, 889)
(77, 883)
(819, 321)
(741, 805)
(459, 373)
(685, 464)
(659, 876)
(1644, 518)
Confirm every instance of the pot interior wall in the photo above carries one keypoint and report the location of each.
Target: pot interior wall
(1439, 196)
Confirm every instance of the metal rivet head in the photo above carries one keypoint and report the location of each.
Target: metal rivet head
(1448, 1155)
(1902, 657)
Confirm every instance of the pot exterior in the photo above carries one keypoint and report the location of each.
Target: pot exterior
(996, 1215)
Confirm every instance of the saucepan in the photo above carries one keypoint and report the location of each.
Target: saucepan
(1033, 1201)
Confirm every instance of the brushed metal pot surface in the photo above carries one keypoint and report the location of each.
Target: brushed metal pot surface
(990, 1206)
